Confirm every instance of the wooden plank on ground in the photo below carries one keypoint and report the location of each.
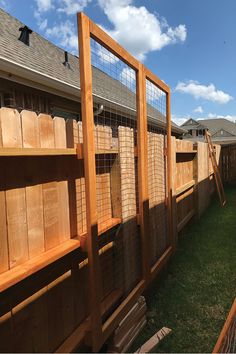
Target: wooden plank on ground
(154, 341)
(15, 196)
(34, 192)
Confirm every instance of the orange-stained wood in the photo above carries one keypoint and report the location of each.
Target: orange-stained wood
(62, 184)
(50, 190)
(15, 196)
(228, 322)
(19, 273)
(107, 42)
(34, 192)
(169, 171)
(142, 169)
(156, 81)
(4, 259)
(90, 179)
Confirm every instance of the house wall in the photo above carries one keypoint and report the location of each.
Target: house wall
(21, 97)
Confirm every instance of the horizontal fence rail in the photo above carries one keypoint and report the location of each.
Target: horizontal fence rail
(90, 209)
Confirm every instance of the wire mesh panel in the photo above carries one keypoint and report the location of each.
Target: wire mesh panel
(115, 133)
(157, 182)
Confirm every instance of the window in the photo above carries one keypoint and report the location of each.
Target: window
(221, 132)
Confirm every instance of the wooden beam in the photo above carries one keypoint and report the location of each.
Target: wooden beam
(161, 262)
(228, 322)
(122, 310)
(8, 152)
(169, 170)
(107, 42)
(185, 187)
(156, 81)
(186, 151)
(185, 220)
(142, 142)
(90, 180)
(24, 270)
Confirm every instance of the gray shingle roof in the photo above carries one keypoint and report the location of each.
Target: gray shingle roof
(46, 58)
(216, 124)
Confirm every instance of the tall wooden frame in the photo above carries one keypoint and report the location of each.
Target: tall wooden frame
(87, 29)
(148, 75)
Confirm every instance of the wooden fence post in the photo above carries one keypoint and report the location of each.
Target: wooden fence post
(174, 204)
(142, 141)
(90, 180)
(169, 170)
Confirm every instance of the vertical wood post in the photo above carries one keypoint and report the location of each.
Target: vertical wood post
(174, 204)
(142, 141)
(90, 180)
(169, 170)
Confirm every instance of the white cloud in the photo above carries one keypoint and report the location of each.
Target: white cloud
(128, 77)
(228, 116)
(43, 25)
(179, 120)
(71, 7)
(66, 35)
(198, 109)
(209, 92)
(44, 5)
(106, 56)
(138, 30)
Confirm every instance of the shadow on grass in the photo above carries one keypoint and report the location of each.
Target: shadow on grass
(194, 295)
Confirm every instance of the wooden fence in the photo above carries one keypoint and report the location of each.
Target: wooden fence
(89, 210)
(229, 164)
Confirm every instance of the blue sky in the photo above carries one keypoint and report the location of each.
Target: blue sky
(189, 44)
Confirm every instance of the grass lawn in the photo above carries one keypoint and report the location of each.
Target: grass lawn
(196, 292)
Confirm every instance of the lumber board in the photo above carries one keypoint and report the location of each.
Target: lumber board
(227, 324)
(4, 258)
(90, 179)
(154, 340)
(62, 184)
(34, 192)
(77, 151)
(50, 190)
(15, 197)
(185, 187)
(128, 205)
(142, 142)
(109, 43)
(19, 273)
(76, 338)
(33, 314)
(185, 221)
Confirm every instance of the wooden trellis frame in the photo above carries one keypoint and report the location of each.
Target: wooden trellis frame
(99, 332)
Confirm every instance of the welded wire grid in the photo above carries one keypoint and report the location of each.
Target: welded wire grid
(229, 341)
(115, 131)
(157, 179)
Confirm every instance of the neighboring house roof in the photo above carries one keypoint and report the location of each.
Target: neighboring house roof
(44, 58)
(217, 124)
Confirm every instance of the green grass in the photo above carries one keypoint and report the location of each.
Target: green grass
(196, 291)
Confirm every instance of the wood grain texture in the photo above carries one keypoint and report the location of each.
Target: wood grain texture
(90, 178)
(4, 259)
(50, 190)
(62, 184)
(15, 197)
(34, 192)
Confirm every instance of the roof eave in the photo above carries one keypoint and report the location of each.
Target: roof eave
(19, 73)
